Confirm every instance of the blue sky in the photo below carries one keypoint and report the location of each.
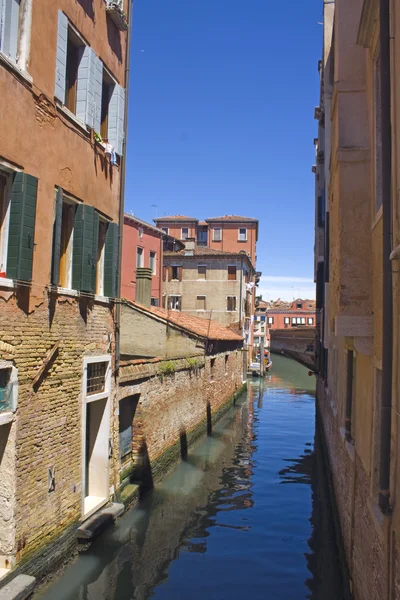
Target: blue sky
(221, 122)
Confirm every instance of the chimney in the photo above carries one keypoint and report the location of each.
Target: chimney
(190, 246)
(143, 286)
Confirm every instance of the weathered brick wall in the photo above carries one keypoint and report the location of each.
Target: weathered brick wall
(49, 418)
(174, 408)
(363, 545)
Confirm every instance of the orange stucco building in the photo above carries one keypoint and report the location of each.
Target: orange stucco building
(62, 123)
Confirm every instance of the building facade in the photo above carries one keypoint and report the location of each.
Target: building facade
(357, 277)
(210, 284)
(142, 248)
(63, 96)
(284, 315)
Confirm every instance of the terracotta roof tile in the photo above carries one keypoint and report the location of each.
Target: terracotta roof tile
(175, 218)
(205, 328)
(233, 218)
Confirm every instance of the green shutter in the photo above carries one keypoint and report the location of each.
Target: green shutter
(95, 248)
(83, 260)
(22, 227)
(55, 267)
(111, 261)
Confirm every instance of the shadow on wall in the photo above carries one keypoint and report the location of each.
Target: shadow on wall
(209, 418)
(87, 6)
(146, 474)
(114, 39)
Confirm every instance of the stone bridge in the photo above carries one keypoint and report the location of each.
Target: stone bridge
(297, 343)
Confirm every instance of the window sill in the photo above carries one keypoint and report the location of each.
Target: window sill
(102, 299)
(13, 65)
(64, 291)
(70, 115)
(7, 283)
(242, 241)
(7, 417)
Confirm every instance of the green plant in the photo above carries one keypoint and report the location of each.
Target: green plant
(98, 137)
(167, 368)
(193, 363)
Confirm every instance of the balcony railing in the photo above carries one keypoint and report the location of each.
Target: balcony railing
(116, 13)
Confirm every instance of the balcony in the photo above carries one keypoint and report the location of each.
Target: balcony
(116, 14)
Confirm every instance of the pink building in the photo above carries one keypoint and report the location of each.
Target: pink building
(142, 246)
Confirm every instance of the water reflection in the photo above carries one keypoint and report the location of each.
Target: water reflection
(222, 524)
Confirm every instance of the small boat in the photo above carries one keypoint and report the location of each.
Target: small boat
(254, 369)
(268, 365)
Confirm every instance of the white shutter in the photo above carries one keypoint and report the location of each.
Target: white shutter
(61, 57)
(85, 86)
(2, 18)
(116, 113)
(9, 42)
(98, 87)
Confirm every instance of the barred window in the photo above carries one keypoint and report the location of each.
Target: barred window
(96, 378)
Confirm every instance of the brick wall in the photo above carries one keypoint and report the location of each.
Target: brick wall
(175, 408)
(48, 418)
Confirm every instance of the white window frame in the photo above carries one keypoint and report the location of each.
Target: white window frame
(165, 230)
(5, 219)
(100, 266)
(23, 36)
(70, 248)
(205, 302)
(182, 234)
(235, 309)
(303, 320)
(240, 239)
(141, 255)
(286, 320)
(174, 296)
(154, 268)
(104, 358)
(293, 320)
(270, 320)
(310, 321)
(8, 416)
(215, 239)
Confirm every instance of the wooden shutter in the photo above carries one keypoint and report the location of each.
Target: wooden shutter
(10, 26)
(164, 271)
(169, 273)
(116, 113)
(98, 89)
(180, 269)
(22, 227)
(61, 57)
(83, 260)
(95, 248)
(111, 260)
(55, 268)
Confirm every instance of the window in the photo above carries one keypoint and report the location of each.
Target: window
(310, 321)
(165, 230)
(299, 305)
(202, 236)
(298, 321)
(67, 230)
(96, 378)
(201, 303)
(154, 302)
(212, 369)
(286, 320)
(152, 262)
(321, 209)
(9, 27)
(174, 302)
(100, 258)
(139, 257)
(201, 272)
(270, 320)
(184, 233)
(303, 320)
(140, 232)
(231, 303)
(349, 396)
(217, 234)
(293, 320)
(231, 273)
(175, 273)
(74, 56)
(107, 90)
(242, 234)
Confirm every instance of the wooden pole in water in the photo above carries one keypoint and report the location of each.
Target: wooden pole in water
(262, 360)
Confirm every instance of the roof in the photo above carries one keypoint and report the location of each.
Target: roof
(144, 224)
(233, 218)
(175, 218)
(205, 328)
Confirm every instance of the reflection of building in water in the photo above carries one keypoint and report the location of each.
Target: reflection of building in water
(130, 560)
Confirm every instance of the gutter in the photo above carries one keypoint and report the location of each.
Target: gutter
(122, 193)
(387, 286)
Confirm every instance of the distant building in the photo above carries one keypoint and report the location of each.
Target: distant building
(210, 283)
(260, 318)
(230, 233)
(285, 315)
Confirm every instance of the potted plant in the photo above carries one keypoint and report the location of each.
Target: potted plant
(117, 14)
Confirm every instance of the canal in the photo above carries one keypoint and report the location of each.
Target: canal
(245, 516)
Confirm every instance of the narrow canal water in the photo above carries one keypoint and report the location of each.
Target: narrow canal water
(245, 516)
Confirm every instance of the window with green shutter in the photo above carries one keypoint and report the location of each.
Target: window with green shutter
(111, 261)
(21, 226)
(85, 242)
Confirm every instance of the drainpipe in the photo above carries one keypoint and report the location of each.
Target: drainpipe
(122, 191)
(387, 320)
(240, 292)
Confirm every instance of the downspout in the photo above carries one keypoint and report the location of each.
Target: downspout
(122, 192)
(240, 293)
(387, 320)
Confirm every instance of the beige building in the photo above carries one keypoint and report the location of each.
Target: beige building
(357, 275)
(211, 284)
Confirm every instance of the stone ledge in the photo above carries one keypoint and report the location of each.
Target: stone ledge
(96, 524)
(18, 588)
